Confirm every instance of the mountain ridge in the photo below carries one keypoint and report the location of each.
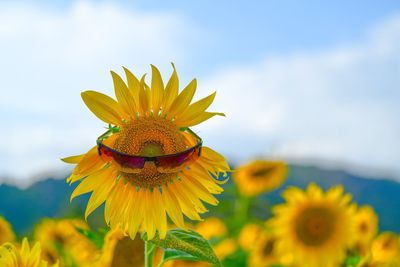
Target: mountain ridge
(50, 198)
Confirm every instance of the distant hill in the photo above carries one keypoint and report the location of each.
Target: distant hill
(50, 198)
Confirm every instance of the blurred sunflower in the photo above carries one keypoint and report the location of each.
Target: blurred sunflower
(211, 227)
(6, 231)
(385, 250)
(366, 227)
(61, 238)
(264, 252)
(260, 176)
(151, 163)
(120, 250)
(11, 256)
(316, 227)
(225, 248)
(249, 235)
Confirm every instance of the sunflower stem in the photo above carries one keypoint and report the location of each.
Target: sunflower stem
(242, 209)
(148, 261)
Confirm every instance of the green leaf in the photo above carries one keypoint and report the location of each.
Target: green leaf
(237, 259)
(184, 245)
(352, 261)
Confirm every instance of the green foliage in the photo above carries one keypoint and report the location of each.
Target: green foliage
(184, 245)
(237, 259)
(352, 261)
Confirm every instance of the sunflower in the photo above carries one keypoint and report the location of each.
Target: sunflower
(385, 249)
(62, 238)
(260, 176)
(249, 235)
(316, 227)
(6, 231)
(211, 227)
(366, 227)
(120, 250)
(225, 248)
(148, 121)
(264, 252)
(11, 256)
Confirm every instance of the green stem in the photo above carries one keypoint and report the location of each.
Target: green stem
(147, 255)
(242, 209)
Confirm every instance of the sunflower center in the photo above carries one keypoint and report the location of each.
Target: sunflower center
(262, 172)
(268, 247)
(149, 136)
(128, 252)
(59, 239)
(49, 256)
(363, 227)
(387, 244)
(315, 226)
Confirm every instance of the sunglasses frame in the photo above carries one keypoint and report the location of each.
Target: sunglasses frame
(154, 159)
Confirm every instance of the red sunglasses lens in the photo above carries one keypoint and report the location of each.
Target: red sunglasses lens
(171, 163)
(125, 161)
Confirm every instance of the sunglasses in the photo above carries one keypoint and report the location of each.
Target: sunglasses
(135, 163)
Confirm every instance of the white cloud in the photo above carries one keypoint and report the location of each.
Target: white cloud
(340, 104)
(48, 56)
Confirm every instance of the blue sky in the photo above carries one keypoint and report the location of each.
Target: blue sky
(298, 80)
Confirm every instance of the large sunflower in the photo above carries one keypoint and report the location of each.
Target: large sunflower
(316, 227)
(6, 231)
(11, 256)
(148, 121)
(260, 176)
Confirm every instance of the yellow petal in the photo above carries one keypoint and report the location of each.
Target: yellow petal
(136, 214)
(74, 177)
(184, 191)
(200, 190)
(116, 202)
(73, 159)
(206, 180)
(124, 96)
(25, 247)
(199, 119)
(35, 255)
(181, 103)
(143, 97)
(159, 212)
(157, 89)
(197, 108)
(149, 218)
(92, 182)
(171, 90)
(104, 107)
(185, 204)
(172, 207)
(212, 155)
(133, 85)
(90, 159)
(98, 197)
